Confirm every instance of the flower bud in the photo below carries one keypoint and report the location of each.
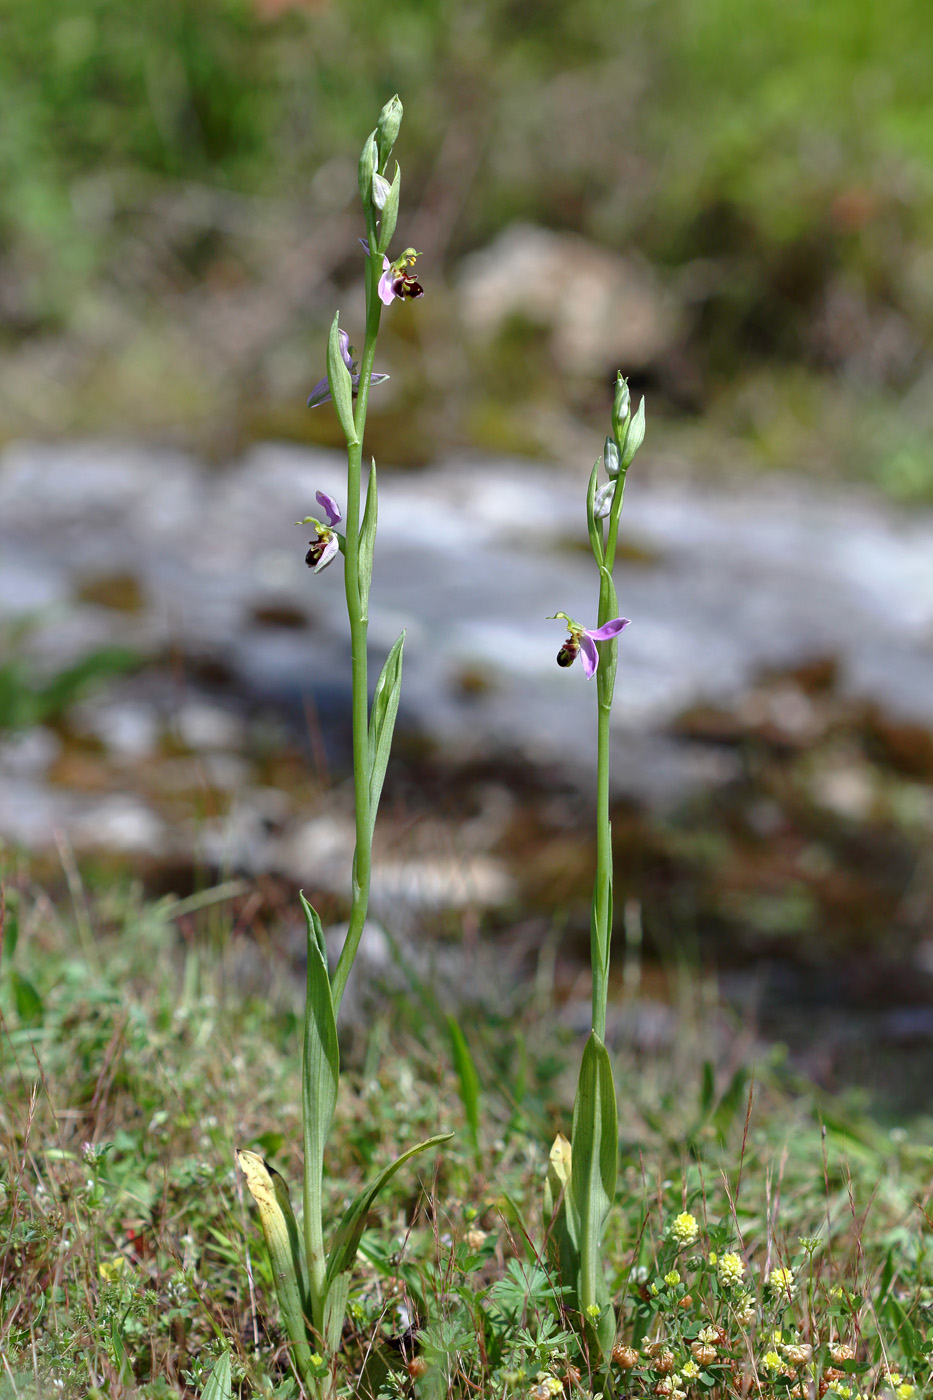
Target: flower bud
(368, 157)
(381, 190)
(602, 503)
(635, 436)
(387, 128)
(612, 457)
(621, 410)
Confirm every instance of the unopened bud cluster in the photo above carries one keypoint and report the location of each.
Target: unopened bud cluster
(381, 195)
(619, 448)
(628, 429)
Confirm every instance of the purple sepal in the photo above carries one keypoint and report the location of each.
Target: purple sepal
(588, 655)
(330, 506)
(609, 629)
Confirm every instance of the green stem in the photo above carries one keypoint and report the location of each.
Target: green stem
(601, 916)
(357, 610)
(601, 919)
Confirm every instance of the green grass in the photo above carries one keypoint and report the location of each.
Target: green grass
(131, 1067)
(159, 160)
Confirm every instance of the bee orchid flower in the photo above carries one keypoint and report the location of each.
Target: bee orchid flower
(322, 550)
(321, 391)
(395, 281)
(582, 641)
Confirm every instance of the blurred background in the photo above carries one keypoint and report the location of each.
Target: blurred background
(733, 207)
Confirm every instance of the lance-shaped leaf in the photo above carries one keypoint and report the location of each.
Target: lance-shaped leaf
(389, 213)
(335, 1310)
(219, 1383)
(320, 1074)
(594, 1164)
(280, 1233)
(592, 524)
(382, 724)
(601, 921)
(350, 1230)
(340, 383)
(367, 547)
(608, 607)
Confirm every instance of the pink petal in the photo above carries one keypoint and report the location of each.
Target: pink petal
(319, 394)
(331, 507)
(608, 629)
(386, 292)
(588, 654)
(331, 548)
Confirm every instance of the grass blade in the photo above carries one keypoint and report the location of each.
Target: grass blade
(465, 1066)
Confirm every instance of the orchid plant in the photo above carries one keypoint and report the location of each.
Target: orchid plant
(581, 1179)
(312, 1281)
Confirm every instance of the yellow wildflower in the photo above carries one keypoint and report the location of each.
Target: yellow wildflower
(781, 1283)
(798, 1353)
(690, 1370)
(772, 1361)
(684, 1228)
(730, 1270)
(672, 1279)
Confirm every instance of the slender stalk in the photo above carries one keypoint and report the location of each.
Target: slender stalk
(601, 925)
(358, 612)
(601, 918)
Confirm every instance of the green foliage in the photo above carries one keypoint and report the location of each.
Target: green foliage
(133, 1252)
(219, 1385)
(26, 700)
(698, 119)
(468, 1079)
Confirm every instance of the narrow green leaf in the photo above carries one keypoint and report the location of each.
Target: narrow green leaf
(320, 1075)
(465, 1066)
(608, 609)
(594, 1166)
(335, 1310)
(350, 1230)
(30, 1007)
(9, 934)
(382, 724)
(389, 214)
(592, 524)
(707, 1088)
(291, 1225)
(124, 1368)
(368, 539)
(219, 1384)
(341, 386)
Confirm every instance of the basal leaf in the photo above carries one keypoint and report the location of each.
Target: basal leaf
(350, 1230)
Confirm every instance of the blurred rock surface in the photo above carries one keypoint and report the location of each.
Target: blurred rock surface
(722, 580)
